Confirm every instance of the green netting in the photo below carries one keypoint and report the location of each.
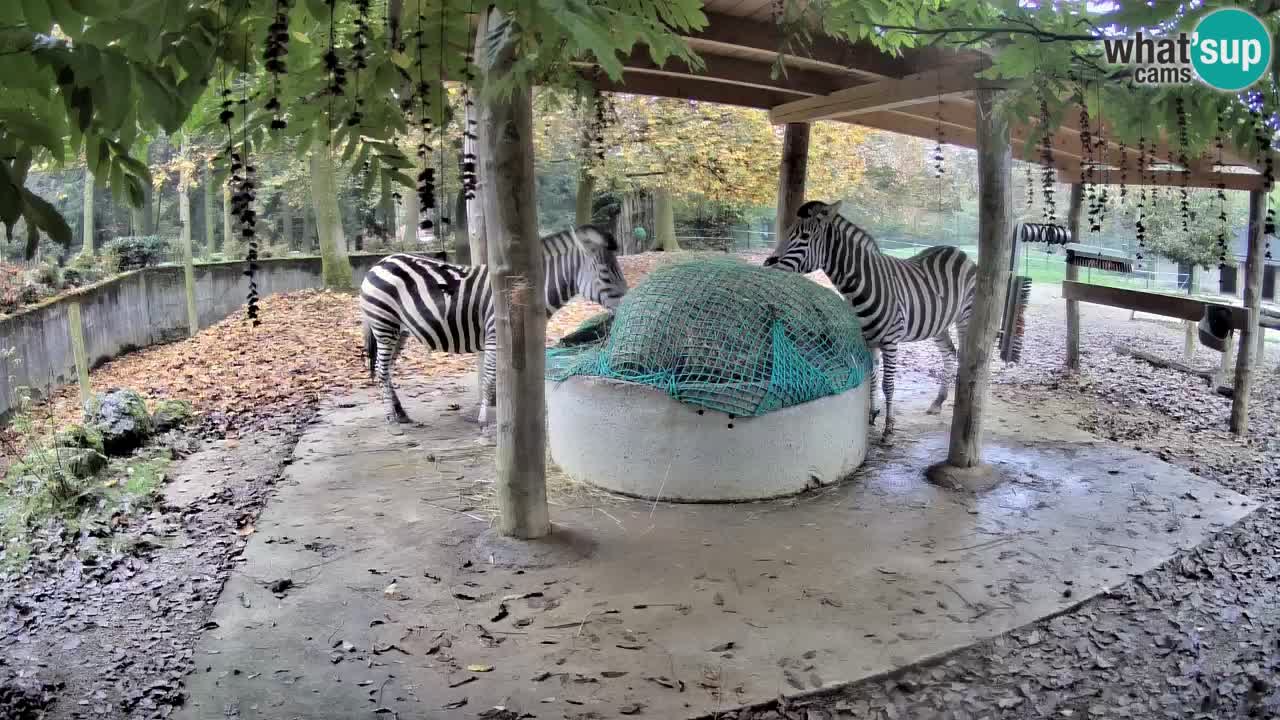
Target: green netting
(724, 335)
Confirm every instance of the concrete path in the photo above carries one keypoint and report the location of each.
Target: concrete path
(400, 604)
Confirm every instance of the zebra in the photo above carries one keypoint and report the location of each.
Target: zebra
(449, 307)
(896, 300)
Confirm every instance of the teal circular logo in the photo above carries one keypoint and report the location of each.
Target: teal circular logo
(1231, 49)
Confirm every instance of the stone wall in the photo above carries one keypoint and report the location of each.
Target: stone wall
(136, 310)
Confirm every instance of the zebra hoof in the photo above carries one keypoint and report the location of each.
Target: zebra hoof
(934, 409)
(886, 440)
(399, 419)
(874, 415)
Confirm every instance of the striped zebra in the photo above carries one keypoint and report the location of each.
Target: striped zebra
(450, 307)
(897, 301)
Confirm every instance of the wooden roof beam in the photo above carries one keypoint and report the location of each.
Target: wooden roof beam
(880, 96)
(737, 71)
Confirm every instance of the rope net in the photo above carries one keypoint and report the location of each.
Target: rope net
(723, 335)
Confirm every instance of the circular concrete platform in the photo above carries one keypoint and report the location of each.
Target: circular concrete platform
(638, 441)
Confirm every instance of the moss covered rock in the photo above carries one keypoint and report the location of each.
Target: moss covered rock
(121, 417)
(79, 436)
(170, 414)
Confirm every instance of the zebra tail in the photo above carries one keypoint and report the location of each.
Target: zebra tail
(370, 349)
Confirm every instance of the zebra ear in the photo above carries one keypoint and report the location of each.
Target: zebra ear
(834, 209)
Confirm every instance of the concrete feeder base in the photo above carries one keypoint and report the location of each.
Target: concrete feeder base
(638, 441)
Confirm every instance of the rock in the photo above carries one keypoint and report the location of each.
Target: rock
(79, 436)
(121, 416)
(170, 414)
(82, 462)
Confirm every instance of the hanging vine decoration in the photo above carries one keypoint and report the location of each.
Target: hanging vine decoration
(359, 60)
(1268, 168)
(1124, 170)
(277, 46)
(468, 177)
(426, 186)
(938, 168)
(332, 65)
(444, 203)
(1047, 174)
(1184, 202)
(1222, 209)
(1099, 156)
(1139, 225)
(1086, 154)
(242, 200)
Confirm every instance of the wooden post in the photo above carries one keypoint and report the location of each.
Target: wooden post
(994, 238)
(228, 237)
(188, 257)
(664, 221)
(1252, 302)
(1228, 359)
(791, 176)
(586, 193)
(86, 228)
(1189, 326)
(517, 277)
(75, 327)
(476, 235)
(1073, 274)
(409, 232)
(210, 230)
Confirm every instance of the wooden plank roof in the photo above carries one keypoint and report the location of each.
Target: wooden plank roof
(742, 44)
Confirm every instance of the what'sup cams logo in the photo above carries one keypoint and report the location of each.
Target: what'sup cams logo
(1230, 49)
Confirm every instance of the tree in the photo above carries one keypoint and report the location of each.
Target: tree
(1197, 244)
(336, 266)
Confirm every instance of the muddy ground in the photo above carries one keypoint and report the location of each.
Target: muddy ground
(113, 637)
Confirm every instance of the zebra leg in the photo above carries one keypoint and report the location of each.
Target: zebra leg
(388, 351)
(875, 383)
(488, 383)
(889, 353)
(948, 349)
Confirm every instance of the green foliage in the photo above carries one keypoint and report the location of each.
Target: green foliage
(1198, 243)
(131, 253)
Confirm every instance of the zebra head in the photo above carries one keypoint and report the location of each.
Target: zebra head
(599, 278)
(801, 250)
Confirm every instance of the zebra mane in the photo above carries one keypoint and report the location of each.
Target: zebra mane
(586, 239)
(843, 228)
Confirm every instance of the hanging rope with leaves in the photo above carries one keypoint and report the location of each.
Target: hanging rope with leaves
(359, 60)
(1263, 139)
(469, 178)
(242, 199)
(1102, 193)
(273, 55)
(1047, 174)
(1222, 209)
(1184, 202)
(445, 223)
(1140, 225)
(426, 181)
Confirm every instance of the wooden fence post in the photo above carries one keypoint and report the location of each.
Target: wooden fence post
(994, 243)
(75, 328)
(791, 177)
(1073, 274)
(517, 277)
(1252, 303)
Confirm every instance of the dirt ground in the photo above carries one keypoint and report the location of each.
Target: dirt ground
(111, 637)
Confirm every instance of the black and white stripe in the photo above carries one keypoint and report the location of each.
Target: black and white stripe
(449, 308)
(896, 300)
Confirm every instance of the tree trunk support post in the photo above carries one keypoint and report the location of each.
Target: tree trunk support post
(188, 256)
(75, 328)
(664, 221)
(1073, 274)
(963, 468)
(516, 275)
(791, 177)
(1252, 302)
(86, 228)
